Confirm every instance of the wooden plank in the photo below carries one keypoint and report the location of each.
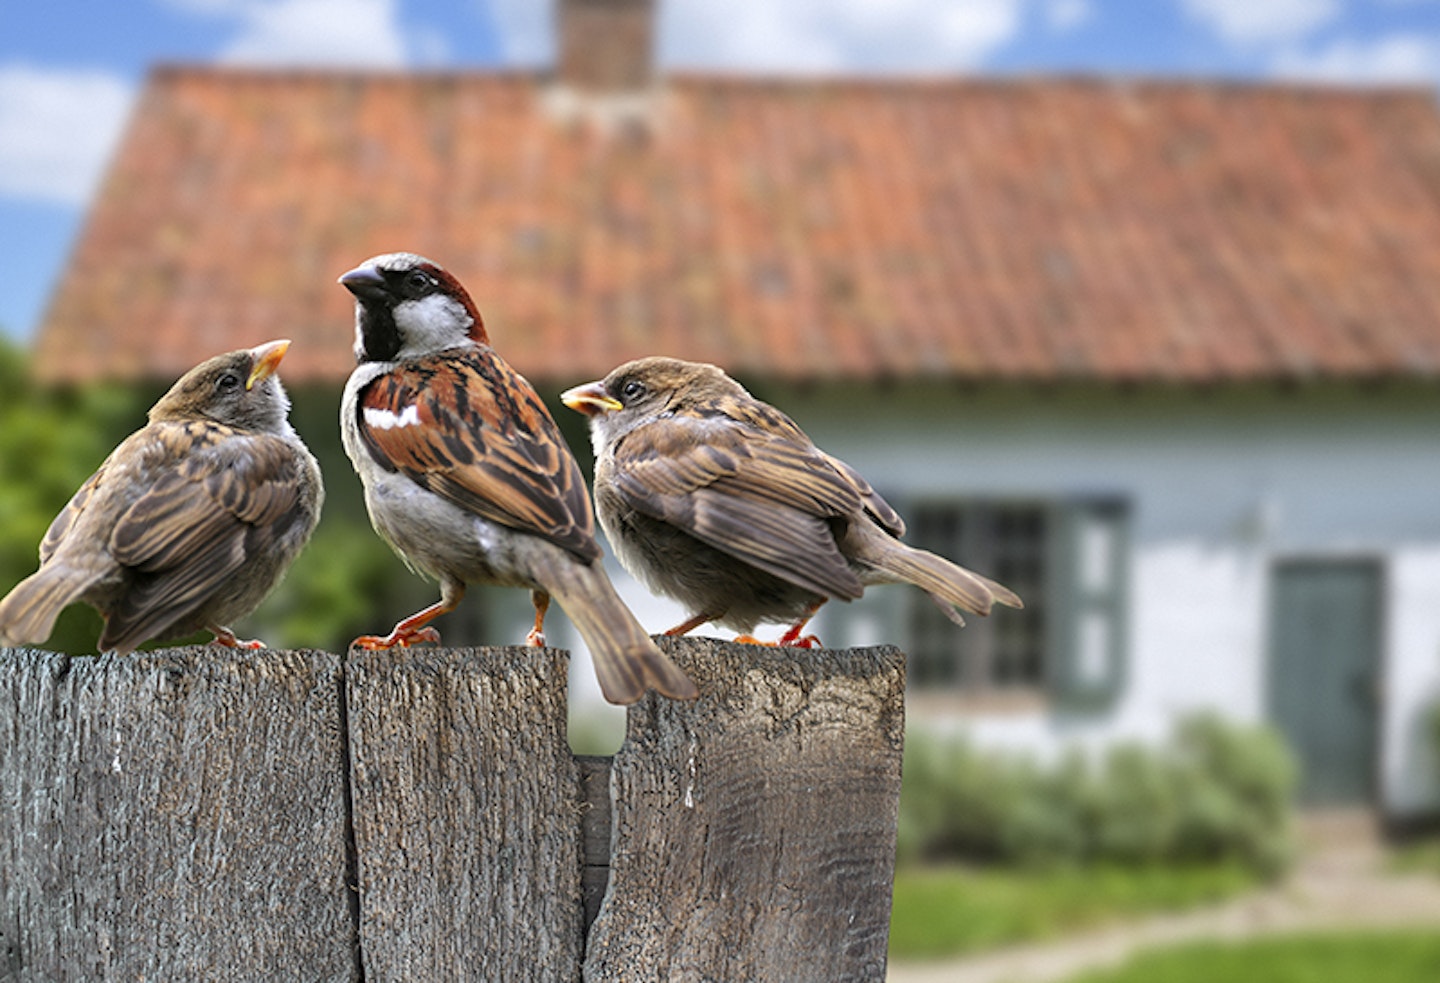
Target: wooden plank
(188, 814)
(594, 831)
(1324, 658)
(466, 814)
(173, 815)
(754, 829)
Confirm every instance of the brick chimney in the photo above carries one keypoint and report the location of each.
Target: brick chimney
(606, 46)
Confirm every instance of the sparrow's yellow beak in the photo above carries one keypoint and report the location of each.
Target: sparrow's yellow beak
(590, 399)
(267, 360)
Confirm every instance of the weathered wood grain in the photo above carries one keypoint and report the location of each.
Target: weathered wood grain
(594, 831)
(172, 816)
(466, 815)
(754, 829)
(209, 814)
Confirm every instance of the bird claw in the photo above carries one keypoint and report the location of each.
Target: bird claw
(535, 639)
(226, 638)
(787, 640)
(397, 639)
(793, 637)
(803, 642)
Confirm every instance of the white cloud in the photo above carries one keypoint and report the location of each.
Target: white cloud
(1259, 21)
(209, 6)
(1400, 58)
(1063, 15)
(318, 32)
(57, 130)
(831, 35)
(342, 33)
(526, 30)
(429, 46)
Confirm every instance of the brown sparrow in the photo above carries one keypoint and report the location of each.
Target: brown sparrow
(189, 523)
(467, 477)
(720, 501)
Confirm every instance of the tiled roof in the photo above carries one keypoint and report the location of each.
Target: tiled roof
(1016, 229)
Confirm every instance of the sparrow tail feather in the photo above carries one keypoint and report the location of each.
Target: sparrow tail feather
(949, 585)
(627, 660)
(28, 613)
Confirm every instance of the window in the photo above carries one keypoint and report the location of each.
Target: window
(1065, 560)
(1006, 543)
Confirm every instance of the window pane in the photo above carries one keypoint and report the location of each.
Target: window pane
(1018, 562)
(1005, 542)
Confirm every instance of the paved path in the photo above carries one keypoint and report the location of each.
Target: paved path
(1338, 886)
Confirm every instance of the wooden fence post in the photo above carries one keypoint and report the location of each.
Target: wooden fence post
(467, 819)
(176, 815)
(754, 829)
(202, 813)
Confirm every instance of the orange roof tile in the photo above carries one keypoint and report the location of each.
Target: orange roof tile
(1018, 229)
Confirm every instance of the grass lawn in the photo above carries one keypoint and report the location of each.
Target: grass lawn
(949, 911)
(1351, 957)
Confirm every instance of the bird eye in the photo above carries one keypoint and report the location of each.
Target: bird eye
(229, 382)
(418, 281)
(633, 390)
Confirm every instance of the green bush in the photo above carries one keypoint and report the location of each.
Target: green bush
(1433, 720)
(953, 801)
(1139, 812)
(1215, 792)
(1237, 785)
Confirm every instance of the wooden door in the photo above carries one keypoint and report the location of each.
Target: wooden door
(1324, 672)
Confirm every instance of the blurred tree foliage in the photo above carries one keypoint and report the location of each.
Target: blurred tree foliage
(50, 442)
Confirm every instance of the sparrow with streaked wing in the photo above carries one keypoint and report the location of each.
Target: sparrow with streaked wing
(718, 500)
(467, 477)
(191, 520)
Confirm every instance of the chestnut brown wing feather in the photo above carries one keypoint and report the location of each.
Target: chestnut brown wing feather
(221, 497)
(765, 495)
(470, 429)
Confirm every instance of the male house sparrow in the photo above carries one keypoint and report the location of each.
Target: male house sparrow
(467, 477)
(189, 523)
(720, 501)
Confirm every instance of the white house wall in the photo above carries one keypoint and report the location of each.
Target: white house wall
(1220, 486)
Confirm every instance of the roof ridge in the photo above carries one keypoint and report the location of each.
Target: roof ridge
(683, 77)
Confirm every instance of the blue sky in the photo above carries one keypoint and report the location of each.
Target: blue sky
(70, 69)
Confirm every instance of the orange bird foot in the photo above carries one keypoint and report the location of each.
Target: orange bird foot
(226, 637)
(791, 639)
(398, 638)
(802, 642)
(535, 638)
